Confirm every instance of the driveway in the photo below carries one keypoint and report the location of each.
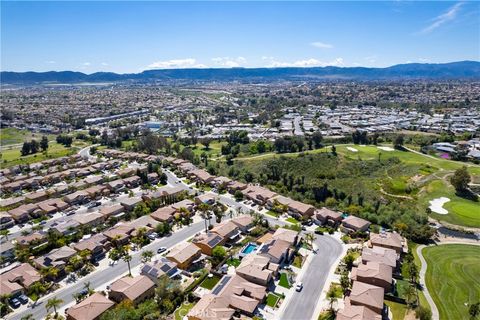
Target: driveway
(302, 304)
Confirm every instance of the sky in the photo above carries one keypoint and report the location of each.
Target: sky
(129, 37)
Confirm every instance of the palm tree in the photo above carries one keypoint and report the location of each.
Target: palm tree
(309, 237)
(4, 233)
(53, 303)
(114, 255)
(204, 209)
(86, 286)
(147, 256)
(49, 272)
(127, 257)
(332, 297)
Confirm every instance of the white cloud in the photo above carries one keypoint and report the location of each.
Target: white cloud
(50, 62)
(321, 45)
(423, 60)
(272, 63)
(176, 64)
(86, 64)
(445, 17)
(371, 59)
(104, 64)
(229, 62)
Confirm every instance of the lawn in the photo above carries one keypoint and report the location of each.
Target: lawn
(183, 310)
(298, 261)
(272, 300)
(460, 211)
(398, 309)
(284, 281)
(421, 296)
(402, 287)
(453, 278)
(10, 136)
(13, 157)
(292, 220)
(235, 262)
(209, 283)
(272, 213)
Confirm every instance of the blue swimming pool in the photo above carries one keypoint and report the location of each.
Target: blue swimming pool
(249, 248)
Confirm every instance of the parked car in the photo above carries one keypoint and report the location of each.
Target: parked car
(23, 298)
(152, 236)
(299, 287)
(161, 249)
(93, 204)
(15, 303)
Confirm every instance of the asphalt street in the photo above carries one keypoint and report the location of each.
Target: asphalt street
(302, 304)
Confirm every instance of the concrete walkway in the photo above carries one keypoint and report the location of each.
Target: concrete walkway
(423, 271)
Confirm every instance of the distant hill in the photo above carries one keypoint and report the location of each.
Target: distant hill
(453, 70)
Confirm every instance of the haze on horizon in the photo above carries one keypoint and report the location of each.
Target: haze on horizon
(129, 37)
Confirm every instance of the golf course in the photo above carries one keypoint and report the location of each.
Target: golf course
(453, 278)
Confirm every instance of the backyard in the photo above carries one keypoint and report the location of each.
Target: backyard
(209, 282)
(182, 311)
(457, 266)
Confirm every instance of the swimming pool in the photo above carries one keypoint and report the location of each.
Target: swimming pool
(249, 248)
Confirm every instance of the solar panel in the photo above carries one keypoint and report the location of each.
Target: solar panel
(221, 284)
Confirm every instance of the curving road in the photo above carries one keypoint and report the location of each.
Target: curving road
(302, 304)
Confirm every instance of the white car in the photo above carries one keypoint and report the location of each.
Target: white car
(299, 287)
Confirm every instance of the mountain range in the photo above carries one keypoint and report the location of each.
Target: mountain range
(452, 70)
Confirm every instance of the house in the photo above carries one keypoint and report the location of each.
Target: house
(163, 192)
(186, 203)
(7, 251)
(207, 241)
(294, 208)
(21, 277)
(389, 240)
(367, 295)
(76, 197)
(146, 222)
(127, 172)
(136, 289)
(164, 214)
(91, 308)
(22, 213)
(258, 194)
(219, 182)
(116, 185)
(208, 198)
(276, 250)
(57, 258)
(354, 224)
(381, 255)
(227, 230)
(89, 219)
(287, 235)
(6, 221)
(96, 245)
(374, 273)
(33, 239)
(119, 233)
(184, 254)
(116, 211)
(66, 227)
(326, 216)
(243, 222)
(236, 186)
(153, 178)
(132, 182)
(232, 293)
(354, 312)
(200, 175)
(257, 269)
(130, 203)
(157, 269)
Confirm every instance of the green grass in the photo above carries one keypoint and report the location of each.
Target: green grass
(337, 289)
(272, 300)
(284, 281)
(214, 149)
(298, 261)
(402, 287)
(13, 157)
(9, 136)
(461, 211)
(453, 278)
(421, 296)
(292, 220)
(273, 214)
(398, 310)
(233, 262)
(209, 283)
(183, 310)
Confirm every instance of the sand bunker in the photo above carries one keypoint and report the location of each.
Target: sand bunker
(352, 149)
(436, 205)
(386, 148)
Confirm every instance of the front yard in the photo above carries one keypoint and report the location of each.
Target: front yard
(272, 300)
(284, 281)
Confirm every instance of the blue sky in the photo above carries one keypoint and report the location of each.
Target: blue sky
(125, 36)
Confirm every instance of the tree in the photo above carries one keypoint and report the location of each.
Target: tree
(423, 313)
(53, 303)
(238, 195)
(218, 254)
(163, 178)
(86, 286)
(398, 142)
(309, 237)
(317, 139)
(206, 142)
(474, 310)
(147, 256)
(460, 179)
(332, 297)
(413, 272)
(204, 209)
(4, 233)
(114, 255)
(411, 296)
(345, 283)
(34, 146)
(44, 143)
(25, 148)
(127, 257)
